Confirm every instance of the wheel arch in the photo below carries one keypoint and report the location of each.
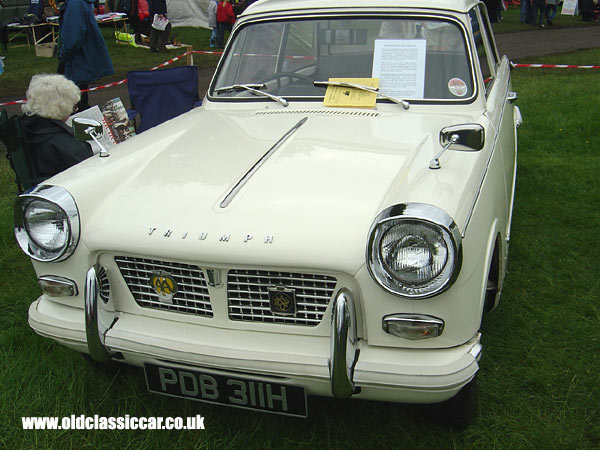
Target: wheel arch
(494, 270)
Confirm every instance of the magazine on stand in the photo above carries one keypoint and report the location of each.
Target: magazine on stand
(113, 117)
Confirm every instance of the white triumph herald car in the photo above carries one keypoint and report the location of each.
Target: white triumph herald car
(333, 220)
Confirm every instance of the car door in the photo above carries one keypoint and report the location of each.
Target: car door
(499, 98)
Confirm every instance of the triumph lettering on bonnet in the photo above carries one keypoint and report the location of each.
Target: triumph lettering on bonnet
(202, 236)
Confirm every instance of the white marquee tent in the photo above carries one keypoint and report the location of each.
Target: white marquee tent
(188, 13)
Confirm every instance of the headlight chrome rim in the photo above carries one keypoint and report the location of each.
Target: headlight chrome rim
(415, 214)
(63, 203)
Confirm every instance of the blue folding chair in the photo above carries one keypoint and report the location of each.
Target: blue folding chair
(160, 95)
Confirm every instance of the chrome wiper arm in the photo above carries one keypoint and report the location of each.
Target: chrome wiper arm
(362, 87)
(254, 89)
(236, 87)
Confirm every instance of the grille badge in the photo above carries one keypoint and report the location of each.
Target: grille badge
(282, 301)
(214, 277)
(164, 285)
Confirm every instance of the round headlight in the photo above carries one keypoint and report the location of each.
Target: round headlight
(47, 223)
(414, 250)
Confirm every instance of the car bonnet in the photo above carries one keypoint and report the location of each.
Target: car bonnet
(320, 188)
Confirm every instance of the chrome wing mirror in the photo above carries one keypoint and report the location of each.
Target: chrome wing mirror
(464, 138)
(87, 130)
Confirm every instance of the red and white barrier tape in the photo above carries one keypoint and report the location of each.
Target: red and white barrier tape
(116, 83)
(203, 52)
(554, 66)
(254, 54)
(16, 102)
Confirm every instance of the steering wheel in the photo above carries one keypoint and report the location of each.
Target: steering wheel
(279, 75)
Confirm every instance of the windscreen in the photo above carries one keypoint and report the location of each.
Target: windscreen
(412, 59)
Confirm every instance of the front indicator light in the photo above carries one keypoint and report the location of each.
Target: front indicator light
(413, 326)
(54, 286)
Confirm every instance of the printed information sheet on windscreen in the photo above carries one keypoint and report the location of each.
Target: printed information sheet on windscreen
(400, 66)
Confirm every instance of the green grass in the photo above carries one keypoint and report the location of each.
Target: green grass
(540, 372)
(21, 62)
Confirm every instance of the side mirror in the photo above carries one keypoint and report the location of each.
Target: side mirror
(84, 128)
(89, 129)
(468, 137)
(471, 137)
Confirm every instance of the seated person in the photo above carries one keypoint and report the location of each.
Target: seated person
(52, 146)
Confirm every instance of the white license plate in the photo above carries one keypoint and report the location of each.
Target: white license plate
(231, 390)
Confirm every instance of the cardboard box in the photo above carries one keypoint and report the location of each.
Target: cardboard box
(45, 50)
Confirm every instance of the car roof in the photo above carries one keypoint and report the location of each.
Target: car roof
(266, 6)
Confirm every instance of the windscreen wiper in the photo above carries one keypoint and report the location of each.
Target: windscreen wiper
(362, 87)
(254, 89)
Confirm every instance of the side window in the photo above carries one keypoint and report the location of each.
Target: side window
(486, 25)
(482, 52)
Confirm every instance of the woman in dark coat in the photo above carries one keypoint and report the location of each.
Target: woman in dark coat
(52, 146)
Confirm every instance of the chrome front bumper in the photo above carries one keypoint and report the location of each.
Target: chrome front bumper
(344, 346)
(95, 331)
(344, 350)
(340, 365)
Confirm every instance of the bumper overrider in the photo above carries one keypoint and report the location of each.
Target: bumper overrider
(340, 365)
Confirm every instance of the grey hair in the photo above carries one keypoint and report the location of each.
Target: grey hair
(51, 96)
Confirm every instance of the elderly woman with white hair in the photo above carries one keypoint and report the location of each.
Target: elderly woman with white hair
(52, 146)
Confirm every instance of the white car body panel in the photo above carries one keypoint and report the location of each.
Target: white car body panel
(308, 209)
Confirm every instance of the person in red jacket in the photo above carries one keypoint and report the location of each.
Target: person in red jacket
(225, 21)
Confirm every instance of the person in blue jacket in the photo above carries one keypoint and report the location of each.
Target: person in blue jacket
(82, 54)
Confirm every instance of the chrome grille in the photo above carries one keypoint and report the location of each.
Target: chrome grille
(192, 295)
(248, 296)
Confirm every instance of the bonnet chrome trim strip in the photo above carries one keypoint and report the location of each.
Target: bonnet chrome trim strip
(240, 184)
